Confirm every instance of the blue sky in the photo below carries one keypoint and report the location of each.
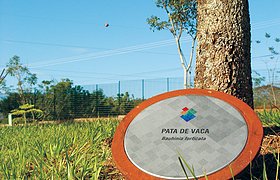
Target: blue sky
(68, 39)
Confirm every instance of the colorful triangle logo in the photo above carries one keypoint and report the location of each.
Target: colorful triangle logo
(188, 114)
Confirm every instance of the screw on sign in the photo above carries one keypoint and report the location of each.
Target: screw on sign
(215, 133)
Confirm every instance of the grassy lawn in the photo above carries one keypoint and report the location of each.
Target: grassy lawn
(82, 151)
(56, 151)
(270, 117)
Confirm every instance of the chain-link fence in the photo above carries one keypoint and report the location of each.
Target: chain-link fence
(119, 98)
(144, 88)
(64, 100)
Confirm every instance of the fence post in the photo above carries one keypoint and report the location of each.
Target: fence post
(75, 103)
(119, 97)
(167, 84)
(96, 102)
(143, 89)
(54, 104)
(10, 119)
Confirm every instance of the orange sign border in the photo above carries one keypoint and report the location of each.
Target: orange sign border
(255, 135)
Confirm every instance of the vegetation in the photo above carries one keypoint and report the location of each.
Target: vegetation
(81, 150)
(264, 97)
(56, 101)
(25, 79)
(63, 151)
(74, 151)
(181, 19)
(63, 101)
(3, 76)
(271, 68)
(270, 117)
(26, 109)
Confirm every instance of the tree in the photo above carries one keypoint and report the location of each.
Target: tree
(125, 103)
(100, 105)
(270, 67)
(45, 99)
(3, 87)
(80, 102)
(26, 109)
(10, 102)
(264, 97)
(23, 76)
(3, 75)
(62, 99)
(181, 18)
(223, 57)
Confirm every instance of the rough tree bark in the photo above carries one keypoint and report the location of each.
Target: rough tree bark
(223, 57)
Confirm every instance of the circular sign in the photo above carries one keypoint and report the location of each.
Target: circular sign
(216, 134)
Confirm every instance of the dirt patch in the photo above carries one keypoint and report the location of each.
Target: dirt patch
(266, 161)
(270, 144)
(109, 170)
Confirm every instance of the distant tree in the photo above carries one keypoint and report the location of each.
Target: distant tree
(45, 99)
(62, 99)
(3, 87)
(25, 79)
(257, 79)
(46, 85)
(80, 102)
(100, 104)
(181, 19)
(223, 58)
(264, 97)
(126, 103)
(271, 68)
(10, 102)
(3, 75)
(26, 109)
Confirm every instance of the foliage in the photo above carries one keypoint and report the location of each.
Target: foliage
(262, 167)
(3, 75)
(59, 151)
(63, 100)
(25, 79)
(270, 117)
(24, 110)
(181, 18)
(183, 164)
(257, 79)
(61, 96)
(264, 97)
(271, 68)
(9, 103)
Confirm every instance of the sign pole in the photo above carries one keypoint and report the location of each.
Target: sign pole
(10, 118)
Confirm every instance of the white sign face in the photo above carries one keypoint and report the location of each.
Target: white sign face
(207, 132)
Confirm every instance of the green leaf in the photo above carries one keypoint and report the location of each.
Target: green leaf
(191, 169)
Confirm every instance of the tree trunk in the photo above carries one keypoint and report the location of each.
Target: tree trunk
(223, 58)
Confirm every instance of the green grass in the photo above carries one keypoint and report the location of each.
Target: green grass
(270, 117)
(57, 151)
(68, 150)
